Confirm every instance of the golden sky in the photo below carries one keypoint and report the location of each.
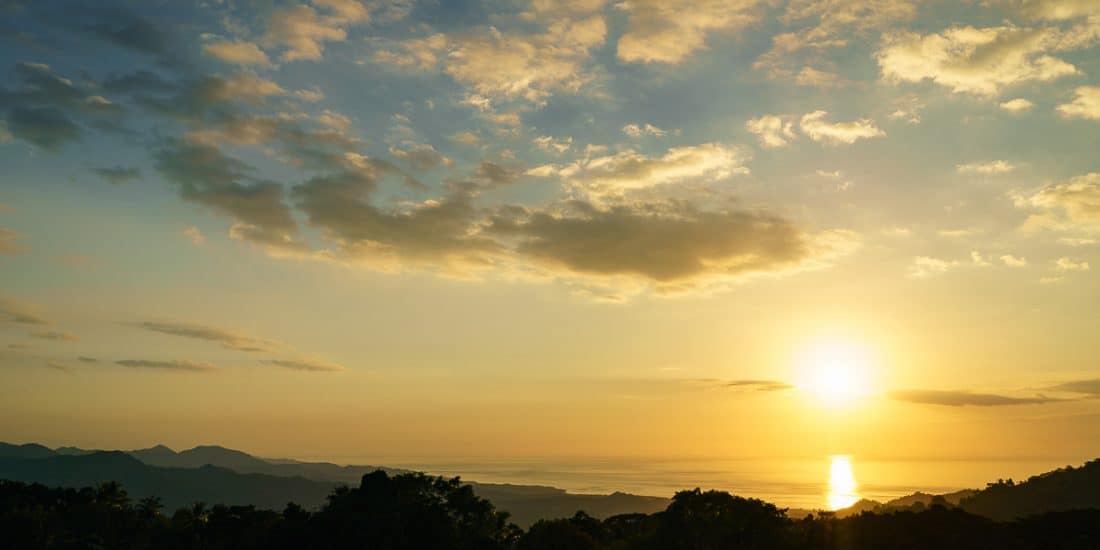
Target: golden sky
(553, 228)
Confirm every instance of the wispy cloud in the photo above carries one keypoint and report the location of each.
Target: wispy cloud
(990, 168)
(56, 335)
(762, 385)
(21, 313)
(759, 385)
(1089, 387)
(305, 364)
(228, 338)
(817, 128)
(167, 365)
(9, 241)
(951, 398)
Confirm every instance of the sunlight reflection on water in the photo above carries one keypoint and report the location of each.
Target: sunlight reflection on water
(843, 490)
(802, 483)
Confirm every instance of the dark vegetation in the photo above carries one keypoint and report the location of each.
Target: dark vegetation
(414, 511)
(1066, 488)
(216, 474)
(286, 504)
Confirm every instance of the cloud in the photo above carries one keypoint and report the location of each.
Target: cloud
(302, 31)
(1077, 241)
(46, 127)
(420, 156)
(924, 266)
(1069, 264)
(237, 53)
(1085, 105)
(551, 145)
(21, 313)
(86, 359)
(978, 61)
(1013, 261)
(56, 335)
(307, 364)
(436, 232)
(47, 109)
(835, 133)
(228, 338)
(668, 31)
(758, 385)
(772, 130)
(118, 174)
(194, 234)
(809, 76)
(990, 168)
(665, 242)
(9, 241)
(1090, 387)
(1017, 105)
(138, 35)
(207, 177)
(495, 175)
(196, 99)
(639, 130)
(59, 366)
(499, 66)
(965, 398)
(1073, 204)
(629, 170)
(1058, 9)
(466, 138)
(167, 365)
(823, 25)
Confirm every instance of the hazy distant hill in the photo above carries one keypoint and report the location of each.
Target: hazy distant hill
(28, 450)
(176, 486)
(215, 474)
(915, 501)
(1067, 488)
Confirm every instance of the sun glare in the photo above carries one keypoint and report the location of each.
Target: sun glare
(842, 483)
(836, 371)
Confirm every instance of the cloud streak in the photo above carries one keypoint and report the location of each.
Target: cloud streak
(20, 313)
(228, 338)
(182, 365)
(950, 398)
(305, 364)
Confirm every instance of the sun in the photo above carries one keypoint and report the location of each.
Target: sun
(837, 371)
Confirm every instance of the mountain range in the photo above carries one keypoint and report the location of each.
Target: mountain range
(214, 474)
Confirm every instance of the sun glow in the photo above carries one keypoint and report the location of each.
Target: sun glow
(842, 483)
(838, 372)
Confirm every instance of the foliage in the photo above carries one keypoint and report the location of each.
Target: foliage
(415, 511)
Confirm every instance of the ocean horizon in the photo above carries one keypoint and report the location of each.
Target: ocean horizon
(804, 483)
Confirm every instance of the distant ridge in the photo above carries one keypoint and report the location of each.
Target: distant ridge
(1066, 488)
(177, 487)
(27, 450)
(214, 474)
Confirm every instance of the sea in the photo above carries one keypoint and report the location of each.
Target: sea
(826, 482)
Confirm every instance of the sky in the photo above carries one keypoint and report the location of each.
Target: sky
(576, 228)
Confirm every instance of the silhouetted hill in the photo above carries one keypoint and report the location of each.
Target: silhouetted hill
(177, 487)
(1067, 488)
(27, 450)
(926, 499)
(417, 512)
(164, 467)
